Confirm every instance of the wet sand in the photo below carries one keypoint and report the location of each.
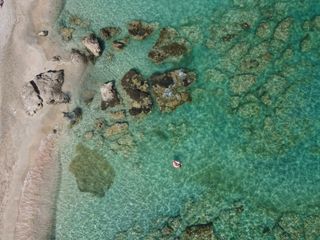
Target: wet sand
(29, 172)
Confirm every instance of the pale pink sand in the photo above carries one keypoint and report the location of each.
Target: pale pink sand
(28, 170)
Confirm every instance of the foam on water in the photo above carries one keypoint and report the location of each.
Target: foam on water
(250, 153)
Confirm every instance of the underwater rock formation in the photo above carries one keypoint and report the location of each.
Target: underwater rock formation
(119, 44)
(74, 116)
(116, 129)
(92, 44)
(66, 33)
(93, 173)
(78, 57)
(199, 231)
(109, 32)
(138, 91)
(140, 30)
(169, 45)
(45, 87)
(109, 96)
(170, 88)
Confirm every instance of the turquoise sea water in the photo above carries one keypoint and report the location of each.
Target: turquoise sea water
(249, 140)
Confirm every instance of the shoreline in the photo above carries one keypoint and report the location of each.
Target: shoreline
(29, 150)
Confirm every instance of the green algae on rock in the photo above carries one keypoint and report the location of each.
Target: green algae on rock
(168, 46)
(93, 173)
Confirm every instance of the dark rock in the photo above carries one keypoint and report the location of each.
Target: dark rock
(74, 116)
(93, 173)
(109, 96)
(170, 88)
(138, 91)
(168, 45)
(118, 44)
(140, 30)
(56, 58)
(45, 87)
(1, 3)
(109, 32)
(197, 232)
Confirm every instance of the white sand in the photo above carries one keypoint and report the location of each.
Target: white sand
(29, 170)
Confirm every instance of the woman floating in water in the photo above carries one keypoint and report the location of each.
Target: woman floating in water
(176, 164)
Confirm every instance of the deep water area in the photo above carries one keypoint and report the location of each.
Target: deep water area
(229, 88)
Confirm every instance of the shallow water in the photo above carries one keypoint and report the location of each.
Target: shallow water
(250, 149)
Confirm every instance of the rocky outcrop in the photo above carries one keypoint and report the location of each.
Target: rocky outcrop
(92, 44)
(116, 129)
(170, 88)
(78, 57)
(118, 44)
(45, 87)
(138, 91)
(93, 173)
(140, 30)
(168, 45)
(109, 32)
(109, 96)
(43, 33)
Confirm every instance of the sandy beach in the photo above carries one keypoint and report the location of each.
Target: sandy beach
(29, 170)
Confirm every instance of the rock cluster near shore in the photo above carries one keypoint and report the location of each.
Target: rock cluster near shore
(44, 88)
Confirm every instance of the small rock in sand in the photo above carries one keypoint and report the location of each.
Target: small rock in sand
(43, 33)
(109, 96)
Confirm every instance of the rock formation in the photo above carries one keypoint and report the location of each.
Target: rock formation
(92, 172)
(92, 44)
(45, 87)
(109, 32)
(109, 96)
(170, 88)
(74, 116)
(168, 45)
(140, 30)
(138, 91)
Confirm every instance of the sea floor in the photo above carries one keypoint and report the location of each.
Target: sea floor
(248, 140)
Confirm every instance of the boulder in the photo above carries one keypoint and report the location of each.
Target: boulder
(43, 33)
(92, 44)
(118, 44)
(109, 96)
(138, 91)
(1, 3)
(109, 32)
(140, 30)
(78, 57)
(93, 173)
(119, 115)
(168, 45)
(199, 231)
(170, 88)
(45, 87)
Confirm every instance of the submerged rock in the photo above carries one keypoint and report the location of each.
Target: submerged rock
(140, 30)
(168, 45)
(92, 44)
(138, 91)
(109, 32)
(45, 87)
(170, 88)
(66, 33)
(77, 21)
(74, 116)
(200, 231)
(118, 44)
(109, 96)
(93, 173)
(116, 129)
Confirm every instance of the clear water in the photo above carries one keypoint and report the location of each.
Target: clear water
(258, 148)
